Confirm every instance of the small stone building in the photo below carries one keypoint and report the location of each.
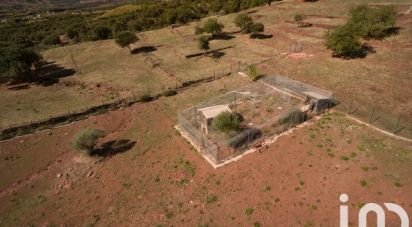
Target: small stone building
(317, 102)
(207, 115)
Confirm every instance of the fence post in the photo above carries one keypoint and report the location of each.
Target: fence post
(371, 118)
(350, 106)
(397, 125)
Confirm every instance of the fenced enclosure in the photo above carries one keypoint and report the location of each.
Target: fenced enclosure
(266, 110)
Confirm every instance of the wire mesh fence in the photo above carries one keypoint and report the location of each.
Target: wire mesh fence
(262, 108)
(398, 123)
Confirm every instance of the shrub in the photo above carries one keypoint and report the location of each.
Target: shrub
(249, 211)
(86, 140)
(52, 39)
(226, 122)
(344, 42)
(292, 118)
(252, 72)
(211, 198)
(146, 98)
(170, 93)
(372, 23)
(102, 32)
(242, 20)
(298, 18)
(257, 28)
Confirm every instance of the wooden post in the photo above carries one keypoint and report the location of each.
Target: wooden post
(371, 118)
(350, 106)
(397, 125)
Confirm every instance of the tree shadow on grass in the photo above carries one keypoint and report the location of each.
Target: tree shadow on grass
(144, 49)
(113, 147)
(47, 74)
(216, 54)
(222, 36)
(50, 73)
(260, 36)
(361, 53)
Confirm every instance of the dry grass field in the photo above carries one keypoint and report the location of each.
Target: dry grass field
(161, 180)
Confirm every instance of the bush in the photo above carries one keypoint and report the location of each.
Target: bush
(372, 23)
(292, 118)
(252, 72)
(146, 98)
(257, 28)
(102, 32)
(242, 20)
(170, 93)
(226, 122)
(211, 198)
(298, 18)
(53, 39)
(86, 140)
(249, 211)
(344, 42)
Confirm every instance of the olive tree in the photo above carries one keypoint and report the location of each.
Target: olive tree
(203, 43)
(125, 38)
(86, 140)
(344, 42)
(211, 26)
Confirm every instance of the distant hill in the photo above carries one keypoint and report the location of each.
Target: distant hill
(56, 5)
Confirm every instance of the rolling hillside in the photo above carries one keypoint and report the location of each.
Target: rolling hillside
(57, 4)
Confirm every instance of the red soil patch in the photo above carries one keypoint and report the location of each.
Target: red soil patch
(162, 180)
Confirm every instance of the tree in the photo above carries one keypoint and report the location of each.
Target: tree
(22, 63)
(243, 21)
(372, 23)
(344, 42)
(119, 27)
(226, 122)
(86, 140)
(257, 28)
(212, 26)
(125, 38)
(102, 32)
(52, 39)
(203, 43)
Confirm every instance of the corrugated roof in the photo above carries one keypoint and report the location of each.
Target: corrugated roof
(213, 111)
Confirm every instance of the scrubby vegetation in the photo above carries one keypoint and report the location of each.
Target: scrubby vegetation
(86, 140)
(252, 72)
(226, 122)
(364, 22)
